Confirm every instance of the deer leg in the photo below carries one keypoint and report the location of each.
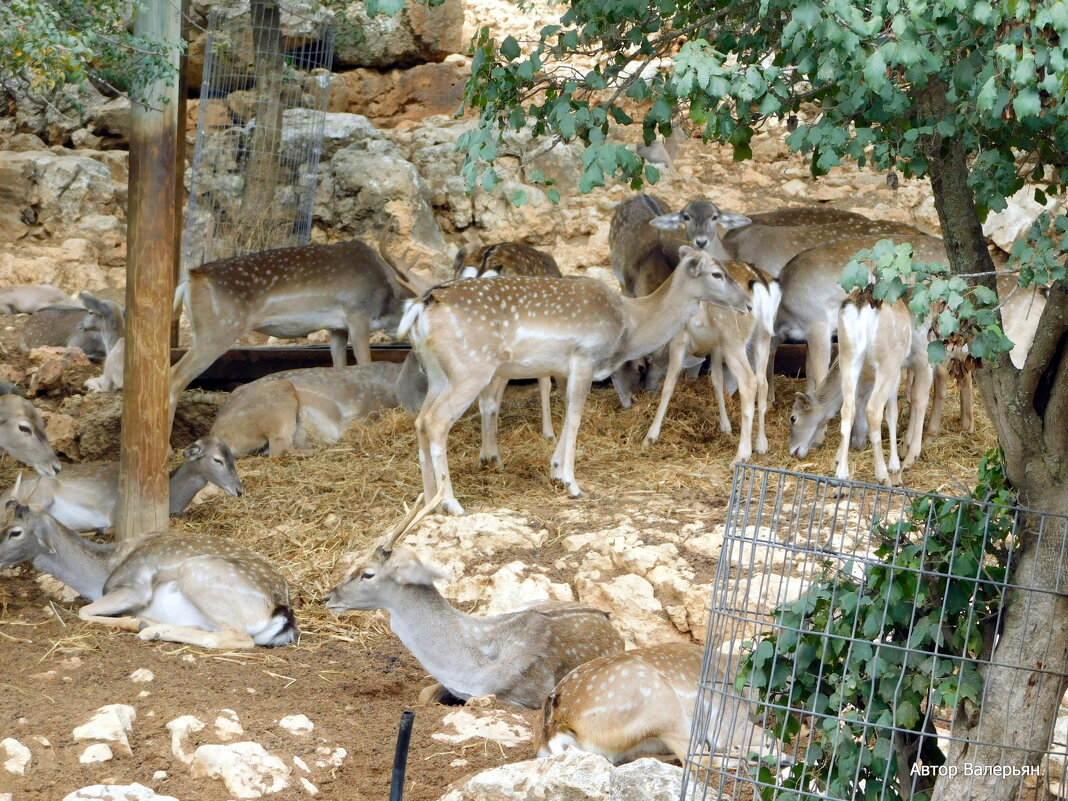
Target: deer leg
(489, 406)
(883, 399)
(229, 639)
(967, 400)
(676, 351)
(124, 599)
(918, 400)
(715, 376)
(545, 387)
(850, 372)
(339, 346)
(579, 380)
(438, 416)
(200, 356)
(769, 369)
(738, 364)
(761, 350)
(818, 360)
(360, 337)
(941, 383)
(623, 380)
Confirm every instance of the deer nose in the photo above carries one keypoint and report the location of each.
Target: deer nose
(700, 243)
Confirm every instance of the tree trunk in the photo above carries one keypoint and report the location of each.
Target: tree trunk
(1024, 682)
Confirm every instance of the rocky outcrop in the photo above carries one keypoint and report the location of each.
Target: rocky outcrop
(415, 35)
(392, 97)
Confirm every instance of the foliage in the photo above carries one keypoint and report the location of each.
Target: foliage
(877, 82)
(46, 44)
(866, 652)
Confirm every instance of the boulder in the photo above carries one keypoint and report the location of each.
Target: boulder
(635, 610)
(246, 769)
(400, 95)
(1004, 227)
(415, 35)
(117, 792)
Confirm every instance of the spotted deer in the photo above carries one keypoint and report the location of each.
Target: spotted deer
(95, 327)
(470, 332)
(195, 589)
(644, 238)
(23, 436)
(505, 258)
(727, 335)
(880, 341)
(642, 701)
(517, 656)
(313, 406)
(85, 497)
(29, 298)
(287, 292)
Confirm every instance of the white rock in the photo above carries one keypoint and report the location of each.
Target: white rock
(330, 757)
(507, 589)
(37, 738)
(117, 792)
(297, 724)
(15, 755)
(181, 730)
(505, 728)
(111, 724)
(246, 769)
(227, 726)
(97, 752)
(142, 675)
(309, 788)
(574, 775)
(646, 780)
(300, 763)
(159, 776)
(1003, 228)
(635, 610)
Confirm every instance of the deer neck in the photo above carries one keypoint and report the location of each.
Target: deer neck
(655, 319)
(828, 394)
(184, 485)
(75, 562)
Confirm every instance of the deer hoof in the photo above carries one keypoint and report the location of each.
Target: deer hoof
(647, 442)
(490, 461)
(452, 506)
(573, 489)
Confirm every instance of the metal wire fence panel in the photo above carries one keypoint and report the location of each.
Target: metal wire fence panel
(260, 126)
(851, 631)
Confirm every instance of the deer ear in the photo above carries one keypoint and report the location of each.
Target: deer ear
(667, 222)
(730, 219)
(194, 450)
(803, 400)
(408, 569)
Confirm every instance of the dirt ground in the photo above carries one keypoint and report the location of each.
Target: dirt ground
(349, 675)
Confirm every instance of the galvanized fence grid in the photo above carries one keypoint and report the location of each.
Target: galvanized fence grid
(850, 628)
(260, 123)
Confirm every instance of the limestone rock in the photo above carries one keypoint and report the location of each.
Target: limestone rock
(297, 724)
(1004, 227)
(416, 34)
(110, 724)
(181, 730)
(227, 726)
(511, 587)
(117, 792)
(62, 432)
(633, 606)
(646, 780)
(394, 96)
(572, 776)
(246, 769)
(97, 752)
(16, 757)
(506, 728)
(142, 675)
(339, 131)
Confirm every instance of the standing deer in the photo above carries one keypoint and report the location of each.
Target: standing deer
(470, 332)
(28, 298)
(96, 327)
(644, 238)
(881, 341)
(642, 701)
(314, 405)
(287, 292)
(517, 656)
(195, 589)
(506, 258)
(23, 436)
(85, 497)
(727, 335)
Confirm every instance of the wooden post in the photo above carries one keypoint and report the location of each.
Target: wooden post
(143, 486)
(179, 160)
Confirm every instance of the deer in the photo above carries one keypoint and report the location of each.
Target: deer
(624, 705)
(518, 656)
(313, 406)
(470, 332)
(22, 434)
(803, 215)
(112, 376)
(287, 292)
(881, 340)
(193, 589)
(29, 298)
(644, 238)
(505, 258)
(727, 334)
(85, 497)
(95, 327)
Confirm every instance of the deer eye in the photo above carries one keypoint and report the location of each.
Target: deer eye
(25, 429)
(14, 532)
(685, 217)
(218, 460)
(793, 418)
(367, 574)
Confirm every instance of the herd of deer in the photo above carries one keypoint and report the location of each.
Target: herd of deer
(696, 283)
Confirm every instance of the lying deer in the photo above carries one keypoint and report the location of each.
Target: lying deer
(874, 346)
(287, 292)
(85, 497)
(112, 376)
(23, 436)
(195, 589)
(313, 406)
(506, 258)
(94, 327)
(642, 701)
(727, 335)
(517, 656)
(29, 298)
(644, 238)
(471, 332)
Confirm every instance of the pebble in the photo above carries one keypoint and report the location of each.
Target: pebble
(142, 675)
(297, 724)
(97, 752)
(16, 757)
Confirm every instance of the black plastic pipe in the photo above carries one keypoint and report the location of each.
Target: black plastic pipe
(400, 756)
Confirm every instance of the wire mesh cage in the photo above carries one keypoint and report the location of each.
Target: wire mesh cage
(855, 641)
(260, 127)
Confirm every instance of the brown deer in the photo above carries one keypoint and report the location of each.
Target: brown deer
(23, 436)
(287, 292)
(95, 327)
(470, 332)
(28, 298)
